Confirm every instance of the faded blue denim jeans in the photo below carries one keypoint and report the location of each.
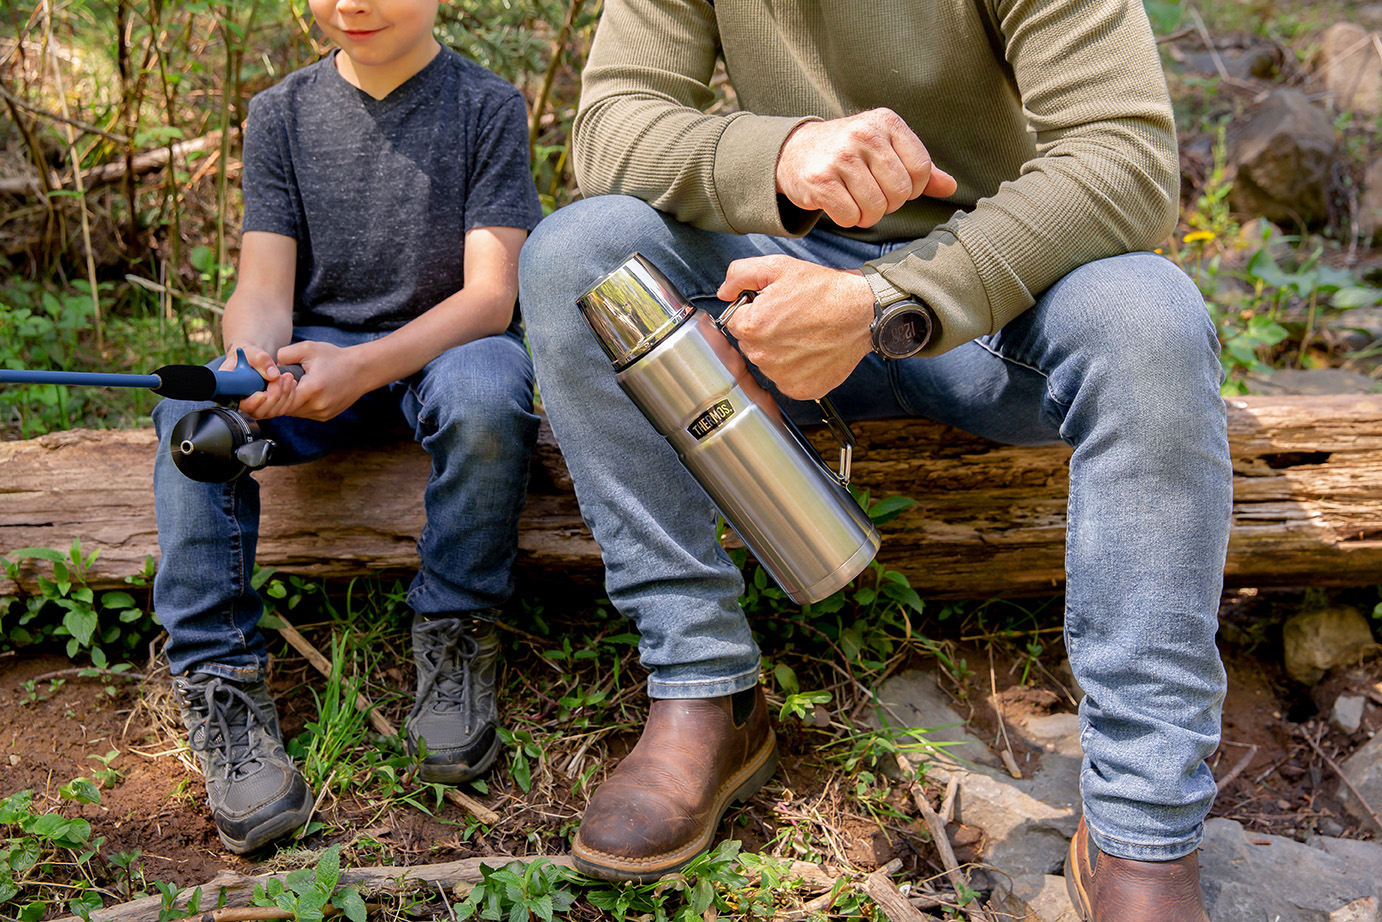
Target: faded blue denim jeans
(1119, 359)
(471, 408)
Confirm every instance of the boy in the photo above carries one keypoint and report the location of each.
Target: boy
(387, 193)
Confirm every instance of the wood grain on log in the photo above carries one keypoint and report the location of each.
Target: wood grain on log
(988, 519)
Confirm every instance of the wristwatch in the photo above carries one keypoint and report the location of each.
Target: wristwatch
(901, 328)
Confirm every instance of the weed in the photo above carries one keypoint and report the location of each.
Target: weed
(517, 892)
(305, 892)
(66, 606)
(107, 777)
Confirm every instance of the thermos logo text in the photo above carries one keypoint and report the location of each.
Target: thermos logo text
(711, 419)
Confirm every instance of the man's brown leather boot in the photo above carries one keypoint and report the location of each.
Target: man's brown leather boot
(1108, 889)
(660, 808)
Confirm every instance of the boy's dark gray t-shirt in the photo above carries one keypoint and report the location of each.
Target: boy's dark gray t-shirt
(378, 193)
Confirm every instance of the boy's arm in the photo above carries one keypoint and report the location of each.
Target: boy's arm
(259, 315)
(335, 377)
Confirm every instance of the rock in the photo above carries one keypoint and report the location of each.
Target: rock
(1348, 65)
(1364, 770)
(1249, 877)
(1257, 61)
(1279, 159)
(1311, 381)
(1039, 899)
(1027, 822)
(1317, 641)
(1348, 712)
(1370, 202)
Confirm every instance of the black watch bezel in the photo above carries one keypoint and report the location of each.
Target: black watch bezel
(901, 329)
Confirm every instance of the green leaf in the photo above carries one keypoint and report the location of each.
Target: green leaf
(353, 905)
(33, 912)
(885, 510)
(42, 553)
(81, 790)
(118, 599)
(81, 623)
(329, 870)
(1355, 296)
(1165, 16)
(272, 622)
(786, 678)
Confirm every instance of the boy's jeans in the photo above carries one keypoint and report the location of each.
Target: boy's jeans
(471, 408)
(1119, 359)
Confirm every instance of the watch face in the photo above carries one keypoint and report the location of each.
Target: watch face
(903, 333)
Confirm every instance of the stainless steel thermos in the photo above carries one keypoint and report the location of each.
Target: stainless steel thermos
(694, 386)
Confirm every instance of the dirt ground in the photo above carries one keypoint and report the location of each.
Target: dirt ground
(1277, 781)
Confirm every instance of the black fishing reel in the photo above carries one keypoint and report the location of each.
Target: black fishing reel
(218, 445)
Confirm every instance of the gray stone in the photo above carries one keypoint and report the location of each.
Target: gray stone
(1370, 202)
(1348, 65)
(1319, 640)
(1348, 712)
(1320, 381)
(1370, 16)
(1280, 158)
(1028, 821)
(1364, 770)
(1040, 898)
(914, 701)
(1249, 877)
(1257, 61)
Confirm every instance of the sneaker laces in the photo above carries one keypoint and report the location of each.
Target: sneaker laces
(445, 651)
(220, 699)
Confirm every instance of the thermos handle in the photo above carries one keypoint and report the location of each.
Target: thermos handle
(838, 427)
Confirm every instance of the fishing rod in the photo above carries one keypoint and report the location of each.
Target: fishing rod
(212, 445)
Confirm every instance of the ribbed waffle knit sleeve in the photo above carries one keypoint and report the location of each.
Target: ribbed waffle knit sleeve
(1052, 115)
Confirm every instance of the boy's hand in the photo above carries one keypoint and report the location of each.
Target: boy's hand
(280, 391)
(331, 382)
(809, 325)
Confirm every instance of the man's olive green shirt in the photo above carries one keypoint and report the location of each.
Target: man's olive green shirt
(1052, 115)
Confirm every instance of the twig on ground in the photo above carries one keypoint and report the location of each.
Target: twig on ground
(88, 672)
(1238, 767)
(316, 804)
(1344, 778)
(881, 889)
(381, 723)
(1009, 761)
(947, 810)
(958, 879)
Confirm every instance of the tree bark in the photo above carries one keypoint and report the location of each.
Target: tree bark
(988, 519)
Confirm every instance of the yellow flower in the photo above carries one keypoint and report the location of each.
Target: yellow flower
(1199, 236)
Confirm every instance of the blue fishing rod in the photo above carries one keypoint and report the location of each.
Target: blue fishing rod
(212, 445)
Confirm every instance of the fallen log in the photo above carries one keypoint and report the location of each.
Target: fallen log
(988, 519)
(231, 889)
(107, 173)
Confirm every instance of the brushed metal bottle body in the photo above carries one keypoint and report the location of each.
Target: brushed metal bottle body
(694, 386)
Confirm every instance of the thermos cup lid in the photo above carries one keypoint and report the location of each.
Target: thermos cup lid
(632, 309)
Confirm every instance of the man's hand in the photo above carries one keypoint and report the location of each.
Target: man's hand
(330, 384)
(858, 168)
(809, 325)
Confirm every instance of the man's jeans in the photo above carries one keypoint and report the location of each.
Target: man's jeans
(471, 408)
(1118, 359)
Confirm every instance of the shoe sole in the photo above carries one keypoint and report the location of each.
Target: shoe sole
(1078, 898)
(610, 867)
(274, 829)
(455, 774)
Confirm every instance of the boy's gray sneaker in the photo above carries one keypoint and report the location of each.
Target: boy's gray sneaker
(454, 716)
(256, 793)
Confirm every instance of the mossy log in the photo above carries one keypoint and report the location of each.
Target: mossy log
(988, 519)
